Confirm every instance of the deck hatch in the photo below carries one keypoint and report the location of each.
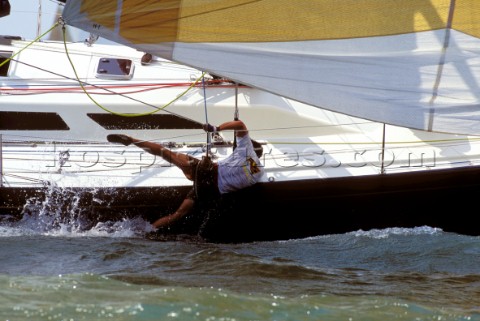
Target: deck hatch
(115, 69)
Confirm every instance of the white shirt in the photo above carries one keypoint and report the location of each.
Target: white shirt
(240, 169)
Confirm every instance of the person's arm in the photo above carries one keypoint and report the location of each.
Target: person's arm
(237, 125)
(183, 210)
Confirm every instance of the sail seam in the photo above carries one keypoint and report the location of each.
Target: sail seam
(446, 43)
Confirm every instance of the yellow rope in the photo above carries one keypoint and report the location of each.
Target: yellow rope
(123, 114)
(31, 43)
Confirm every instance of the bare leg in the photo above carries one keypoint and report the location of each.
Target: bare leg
(183, 210)
(182, 161)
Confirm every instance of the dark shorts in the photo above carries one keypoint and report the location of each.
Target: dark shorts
(205, 183)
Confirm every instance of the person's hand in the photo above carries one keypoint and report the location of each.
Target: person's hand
(210, 128)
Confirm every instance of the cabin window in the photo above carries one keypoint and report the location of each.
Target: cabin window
(115, 68)
(115, 122)
(4, 56)
(13, 120)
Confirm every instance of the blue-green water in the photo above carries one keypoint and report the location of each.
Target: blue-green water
(112, 273)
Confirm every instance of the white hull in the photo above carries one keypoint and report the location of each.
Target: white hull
(301, 142)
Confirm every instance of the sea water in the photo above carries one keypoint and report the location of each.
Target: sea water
(111, 272)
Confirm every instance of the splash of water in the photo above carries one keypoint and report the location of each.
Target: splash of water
(61, 212)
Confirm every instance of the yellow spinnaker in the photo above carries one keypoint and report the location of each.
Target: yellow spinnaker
(153, 21)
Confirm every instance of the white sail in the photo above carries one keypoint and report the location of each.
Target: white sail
(410, 63)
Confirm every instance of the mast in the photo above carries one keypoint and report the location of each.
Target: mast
(39, 19)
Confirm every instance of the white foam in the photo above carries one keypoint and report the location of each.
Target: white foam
(384, 233)
(375, 233)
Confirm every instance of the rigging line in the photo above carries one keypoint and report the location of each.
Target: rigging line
(309, 126)
(70, 89)
(31, 43)
(123, 114)
(37, 180)
(235, 116)
(132, 161)
(451, 140)
(41, 140)
(39, 18)
(225, 8)
(441, 64)
(378, 142)
(206, 114)
(469, 138)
